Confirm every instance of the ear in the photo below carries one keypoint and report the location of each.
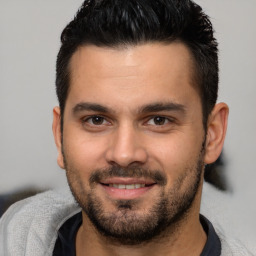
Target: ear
(56, 128)
(216, 132)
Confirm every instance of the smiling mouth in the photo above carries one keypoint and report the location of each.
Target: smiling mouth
(126, 190)
(127, 186)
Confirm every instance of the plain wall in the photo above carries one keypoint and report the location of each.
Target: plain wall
(29, 42)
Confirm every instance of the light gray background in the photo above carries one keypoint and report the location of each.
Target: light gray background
(29, 41)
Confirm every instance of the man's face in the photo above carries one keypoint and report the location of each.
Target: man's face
(133, 138)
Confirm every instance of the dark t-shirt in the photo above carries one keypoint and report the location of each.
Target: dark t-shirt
(66, 241)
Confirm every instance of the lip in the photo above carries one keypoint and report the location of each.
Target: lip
(126, 194)
(126, 181)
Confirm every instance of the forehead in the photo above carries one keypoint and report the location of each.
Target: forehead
(160, 71)
(149, 55)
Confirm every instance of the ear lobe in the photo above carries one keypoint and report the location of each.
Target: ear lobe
(216, 132)
(56, 129)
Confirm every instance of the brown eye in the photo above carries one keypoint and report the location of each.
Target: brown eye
(96, 120)
(159, 120)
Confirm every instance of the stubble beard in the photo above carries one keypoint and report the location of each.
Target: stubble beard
(127, 224)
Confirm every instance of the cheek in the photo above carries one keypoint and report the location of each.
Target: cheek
(85, 153)
(174, 153)
(175, 150)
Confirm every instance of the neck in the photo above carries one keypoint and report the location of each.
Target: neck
(189, 238)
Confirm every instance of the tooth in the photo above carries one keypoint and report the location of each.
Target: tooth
(130, 186)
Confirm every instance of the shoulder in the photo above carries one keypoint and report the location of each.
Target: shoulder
(30, 226)
(232, 247)
(215, 206)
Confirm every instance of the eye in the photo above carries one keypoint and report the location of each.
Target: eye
(158, 120)
(96, 120)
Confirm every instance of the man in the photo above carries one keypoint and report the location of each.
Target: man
(137, 122)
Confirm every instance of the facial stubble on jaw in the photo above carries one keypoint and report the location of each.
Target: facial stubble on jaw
(128, 224)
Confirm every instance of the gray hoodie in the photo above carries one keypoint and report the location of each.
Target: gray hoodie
(30, 227)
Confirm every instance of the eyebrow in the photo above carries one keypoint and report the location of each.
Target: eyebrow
(158, 107)
(85, 106)
(155, 107)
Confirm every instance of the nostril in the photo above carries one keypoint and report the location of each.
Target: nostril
(137, 156)
(126, 147)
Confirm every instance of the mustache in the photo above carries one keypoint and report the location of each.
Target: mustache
(129, 172)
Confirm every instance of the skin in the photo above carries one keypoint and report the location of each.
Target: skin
(126, 81)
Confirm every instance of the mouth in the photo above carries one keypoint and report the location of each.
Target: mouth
(128, 186)
(125, 188)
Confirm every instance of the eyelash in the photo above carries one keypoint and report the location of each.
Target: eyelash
(165, 120)
(86, 120)
(103, 120)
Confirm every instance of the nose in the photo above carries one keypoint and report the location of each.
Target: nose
(126, 147)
